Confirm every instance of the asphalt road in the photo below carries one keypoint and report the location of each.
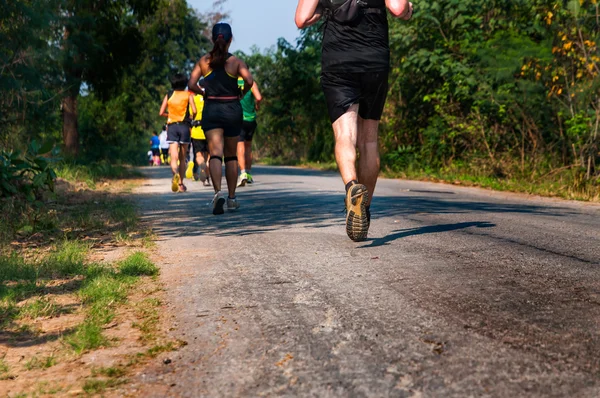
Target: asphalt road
(458, 292)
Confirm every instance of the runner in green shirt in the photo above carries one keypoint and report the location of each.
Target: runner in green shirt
(250, 104)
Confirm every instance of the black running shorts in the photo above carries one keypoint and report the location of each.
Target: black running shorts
(248, 129)
(178, 133)
(367, 89)
(199, 146)
(222, 115)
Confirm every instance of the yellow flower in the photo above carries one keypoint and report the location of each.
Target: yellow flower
(549, 18)
(567, 46)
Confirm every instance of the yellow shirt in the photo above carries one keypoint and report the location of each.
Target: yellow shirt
(197, 132)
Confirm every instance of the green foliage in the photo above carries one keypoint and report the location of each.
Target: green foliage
(505, 89)
(27, 175)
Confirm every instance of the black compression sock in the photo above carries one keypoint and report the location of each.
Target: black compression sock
(350, 184)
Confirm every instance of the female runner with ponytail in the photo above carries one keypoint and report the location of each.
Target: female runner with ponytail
(222, 114)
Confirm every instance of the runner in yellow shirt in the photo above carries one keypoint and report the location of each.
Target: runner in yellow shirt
(199, 143)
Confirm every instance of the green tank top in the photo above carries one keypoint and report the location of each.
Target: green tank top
(248, 104)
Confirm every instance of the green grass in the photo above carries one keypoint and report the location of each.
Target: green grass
(4, 369)
(103, 290)
(137, 264)
(66, 259)
(40, 307)
(40, 363)
(98, 386)
(91, 174)
(112, 371)
(279, 161)
(148, 315)
(565, 185)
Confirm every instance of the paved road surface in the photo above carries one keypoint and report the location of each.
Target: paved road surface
(459, 292)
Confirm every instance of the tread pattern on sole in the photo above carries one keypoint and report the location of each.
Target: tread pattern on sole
(357, 220)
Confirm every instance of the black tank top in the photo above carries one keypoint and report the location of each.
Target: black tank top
(362, 46)
(219, 83)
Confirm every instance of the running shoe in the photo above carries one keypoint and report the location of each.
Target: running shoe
(175, 183)
(182, 188)
(218, 203)
(206, 183)
(232, 204)
(357, 216)
(250, 179)
(203, 174)
(189, 171)
(242, 180)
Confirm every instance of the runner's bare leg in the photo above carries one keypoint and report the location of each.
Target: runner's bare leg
(215, 146)
(345, 132)
(368, 149)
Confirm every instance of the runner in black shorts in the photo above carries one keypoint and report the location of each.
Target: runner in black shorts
(250, 104)
(177, 102)
(354, 72)
(222, 115)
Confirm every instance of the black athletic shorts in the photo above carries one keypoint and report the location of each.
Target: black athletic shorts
(199, 146)
(367, 89)
(179, 133)
(155, 151)
(248, 129)
(226, 115)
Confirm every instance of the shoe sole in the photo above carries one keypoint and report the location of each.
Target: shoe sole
(219, 207)
(175, 183)
(357, 222)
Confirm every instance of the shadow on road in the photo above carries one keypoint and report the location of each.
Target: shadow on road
(432, 229)
(271, 205)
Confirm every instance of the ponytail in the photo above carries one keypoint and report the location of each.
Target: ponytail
(218, 55)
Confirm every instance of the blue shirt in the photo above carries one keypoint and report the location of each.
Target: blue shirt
(155, 142)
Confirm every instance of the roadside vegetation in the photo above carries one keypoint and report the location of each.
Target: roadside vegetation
(502, 94)
(61, 299)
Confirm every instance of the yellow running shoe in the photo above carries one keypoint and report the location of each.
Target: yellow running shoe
(189, 172)
(175, 183)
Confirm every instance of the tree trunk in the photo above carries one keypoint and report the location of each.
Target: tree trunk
(70, 132)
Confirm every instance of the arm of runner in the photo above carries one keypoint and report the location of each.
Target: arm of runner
(192, 105)
(245, 74)
(257, 95)
(308, 13)
(402, 9)
(194, 78)
(163, 108)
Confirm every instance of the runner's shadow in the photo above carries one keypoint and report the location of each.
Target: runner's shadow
(431, 229)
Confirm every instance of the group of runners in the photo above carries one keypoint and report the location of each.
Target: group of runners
(214, 111)
(221, 97)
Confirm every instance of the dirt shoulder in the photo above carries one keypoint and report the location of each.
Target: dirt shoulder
(80, 300)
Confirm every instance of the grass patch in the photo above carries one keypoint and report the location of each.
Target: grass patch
(91, 174)
(138, 264)
(103, 290)
(108, 372)
(5, 370)
(40, 363)
(280, 161)
(147, 312)
(98, 386)
(40, 307)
